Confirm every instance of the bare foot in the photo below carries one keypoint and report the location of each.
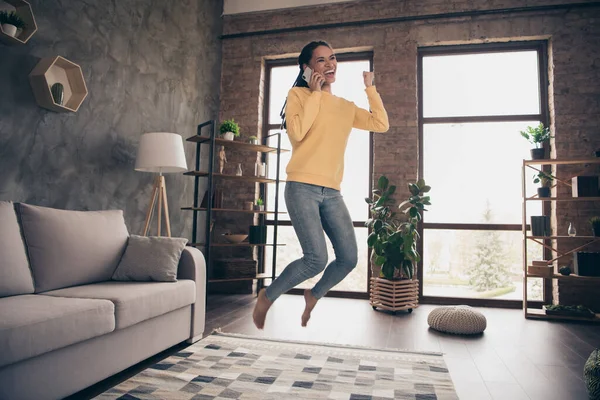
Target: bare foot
(311, 302)
(260, 309)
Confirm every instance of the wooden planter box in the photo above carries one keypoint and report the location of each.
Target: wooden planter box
(394, 295)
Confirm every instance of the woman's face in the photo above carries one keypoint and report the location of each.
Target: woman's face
(324, 62)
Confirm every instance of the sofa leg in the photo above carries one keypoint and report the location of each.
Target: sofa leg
(193, 339)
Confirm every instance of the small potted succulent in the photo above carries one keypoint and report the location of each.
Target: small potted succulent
(259, 205)
(11, 23)
(537, 136)
(253, 140)
(546, 180)
(229, 129)
(595, 222)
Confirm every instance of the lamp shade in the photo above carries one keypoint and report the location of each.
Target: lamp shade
(161, 152)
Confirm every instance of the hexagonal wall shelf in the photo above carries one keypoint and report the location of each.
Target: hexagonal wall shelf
(23, 10)
(58, 70)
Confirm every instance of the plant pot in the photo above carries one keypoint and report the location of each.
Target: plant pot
(538, 154)
(596, 230)
(259, 208)
(249, 206)
(253, 141)
(544, 191)
(57, 91)
(228, 136)
(9, 29)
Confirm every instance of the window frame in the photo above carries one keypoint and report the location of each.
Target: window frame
(541, 47)
(266, 127)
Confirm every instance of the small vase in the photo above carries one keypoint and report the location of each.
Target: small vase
(9, 29)
(228, 136)
(249, 205)
(571, 231)
(238, 171)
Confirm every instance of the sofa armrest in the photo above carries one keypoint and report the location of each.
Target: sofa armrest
(193, 266)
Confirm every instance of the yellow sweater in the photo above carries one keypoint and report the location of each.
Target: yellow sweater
(318, 125)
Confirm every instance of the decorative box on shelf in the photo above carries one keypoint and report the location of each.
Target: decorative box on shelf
(234, 268)
(546, 271)
(584, 186)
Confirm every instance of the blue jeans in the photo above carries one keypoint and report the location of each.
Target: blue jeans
(312, 210)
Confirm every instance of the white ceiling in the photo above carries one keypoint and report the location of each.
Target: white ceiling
(244, 6)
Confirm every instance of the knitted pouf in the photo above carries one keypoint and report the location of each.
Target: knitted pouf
(462, 320)
(591, 375)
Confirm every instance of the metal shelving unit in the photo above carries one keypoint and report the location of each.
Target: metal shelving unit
(212, 141)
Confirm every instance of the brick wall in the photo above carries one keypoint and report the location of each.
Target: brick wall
(574, 71)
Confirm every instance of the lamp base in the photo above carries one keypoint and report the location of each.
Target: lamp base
(159, 193)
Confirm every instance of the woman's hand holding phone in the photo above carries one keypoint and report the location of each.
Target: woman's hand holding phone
(316, 82)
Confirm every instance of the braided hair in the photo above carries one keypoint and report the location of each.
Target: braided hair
(304, 58)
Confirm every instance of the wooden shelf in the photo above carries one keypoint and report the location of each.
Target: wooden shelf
(58, 70)
(536, 313)
(572, 277)
(258, 276)
(231, 210)
(237, 144)
(243, 244)
(234, 177)
(563, 199)
(562, 237)
(23, 10)
(562, 162)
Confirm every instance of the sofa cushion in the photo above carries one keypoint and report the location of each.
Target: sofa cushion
(136, 301)
(15, 275)
(36, 324)
(68, 248)
(150, 259)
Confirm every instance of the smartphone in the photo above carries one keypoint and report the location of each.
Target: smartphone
(307, 74)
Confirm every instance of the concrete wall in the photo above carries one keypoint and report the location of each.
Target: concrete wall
(149, 66)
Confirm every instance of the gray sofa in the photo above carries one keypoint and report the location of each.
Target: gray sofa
(64, 324)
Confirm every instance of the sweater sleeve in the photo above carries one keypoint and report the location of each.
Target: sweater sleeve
(377, 119)
(301, 115)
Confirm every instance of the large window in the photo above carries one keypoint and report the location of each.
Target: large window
(356, 183)
(474, 100)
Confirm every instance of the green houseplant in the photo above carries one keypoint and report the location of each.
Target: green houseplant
(229, 129)
(11, 22)
(546, 181)
(537, 135)
(393, 234)
(595, 222)
(253, 140)
(259, 205)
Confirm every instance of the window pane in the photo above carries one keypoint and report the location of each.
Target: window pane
(477, 264)
(481, 84)
(282, 79)
(356, 281)
(475, 168)
(355, 185)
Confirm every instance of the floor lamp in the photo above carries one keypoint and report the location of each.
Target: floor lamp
(160, 152)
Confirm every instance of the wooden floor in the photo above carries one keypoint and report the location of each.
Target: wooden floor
(514, 359)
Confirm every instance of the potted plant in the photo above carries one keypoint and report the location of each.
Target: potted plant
(595, 222)
(11, 22)
(229, 129)
(393, 239)
(546, 180)
(253, 140)
(259, 205)
(537, 136)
